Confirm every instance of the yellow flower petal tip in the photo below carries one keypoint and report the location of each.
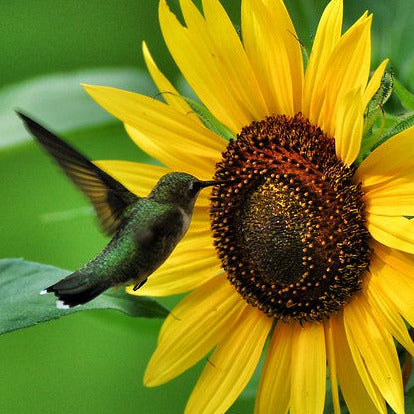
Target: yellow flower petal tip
(93, 89)
(150, 381)
(97, 92)
(318, 251)
(87, 86)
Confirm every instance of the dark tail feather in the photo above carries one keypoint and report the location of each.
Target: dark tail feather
(75, 290)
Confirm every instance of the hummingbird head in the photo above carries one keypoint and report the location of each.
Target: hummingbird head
(180, 189)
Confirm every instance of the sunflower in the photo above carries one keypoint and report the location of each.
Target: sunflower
(303, 255)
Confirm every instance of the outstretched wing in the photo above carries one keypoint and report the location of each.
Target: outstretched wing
(108, 196)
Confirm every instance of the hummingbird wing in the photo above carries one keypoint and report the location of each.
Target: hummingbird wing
(108, 196)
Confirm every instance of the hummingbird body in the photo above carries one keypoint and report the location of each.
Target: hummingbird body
(144, 230)
(143, 242)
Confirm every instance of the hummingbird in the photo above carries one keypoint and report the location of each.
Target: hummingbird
(144, 230)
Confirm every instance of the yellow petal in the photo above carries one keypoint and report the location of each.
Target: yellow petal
(332, 357)
(231, 365)
(215, 67)
(399, 261)
(183, 46)
(193, 328)
(201, 214)
(377, 348)
(394, 197)
(385, 313)
(391, 205)
(308, 369)
(138, 178)
(326, 39)
(360, 393)
(203, 199)
(398, 288)
(273, 48)
(346, 69)
(390, 160)
(193, 262)
(349, 121)
(274, 389)
(175, 139)
(395, 232)
(229, 49)
(169, 93)
(176, 151)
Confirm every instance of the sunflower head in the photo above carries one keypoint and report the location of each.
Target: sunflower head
(290, 233)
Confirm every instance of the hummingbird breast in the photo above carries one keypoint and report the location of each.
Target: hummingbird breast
(144, 241)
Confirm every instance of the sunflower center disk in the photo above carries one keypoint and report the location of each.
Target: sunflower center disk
(290, 231)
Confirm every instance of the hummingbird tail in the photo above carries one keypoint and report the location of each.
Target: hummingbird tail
(74, 290)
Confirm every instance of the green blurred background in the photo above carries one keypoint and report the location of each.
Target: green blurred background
(94, 361)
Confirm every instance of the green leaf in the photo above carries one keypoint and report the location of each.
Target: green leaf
(374, 117)
(400, 124)
(409, 401)
(404, 95)
(305, 55)
(383, 93)
(389, 123)
(21, 305)
(374, 110)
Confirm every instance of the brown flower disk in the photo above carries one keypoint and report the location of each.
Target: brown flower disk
(290, 230)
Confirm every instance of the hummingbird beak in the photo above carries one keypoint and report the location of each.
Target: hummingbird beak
(204, 184)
